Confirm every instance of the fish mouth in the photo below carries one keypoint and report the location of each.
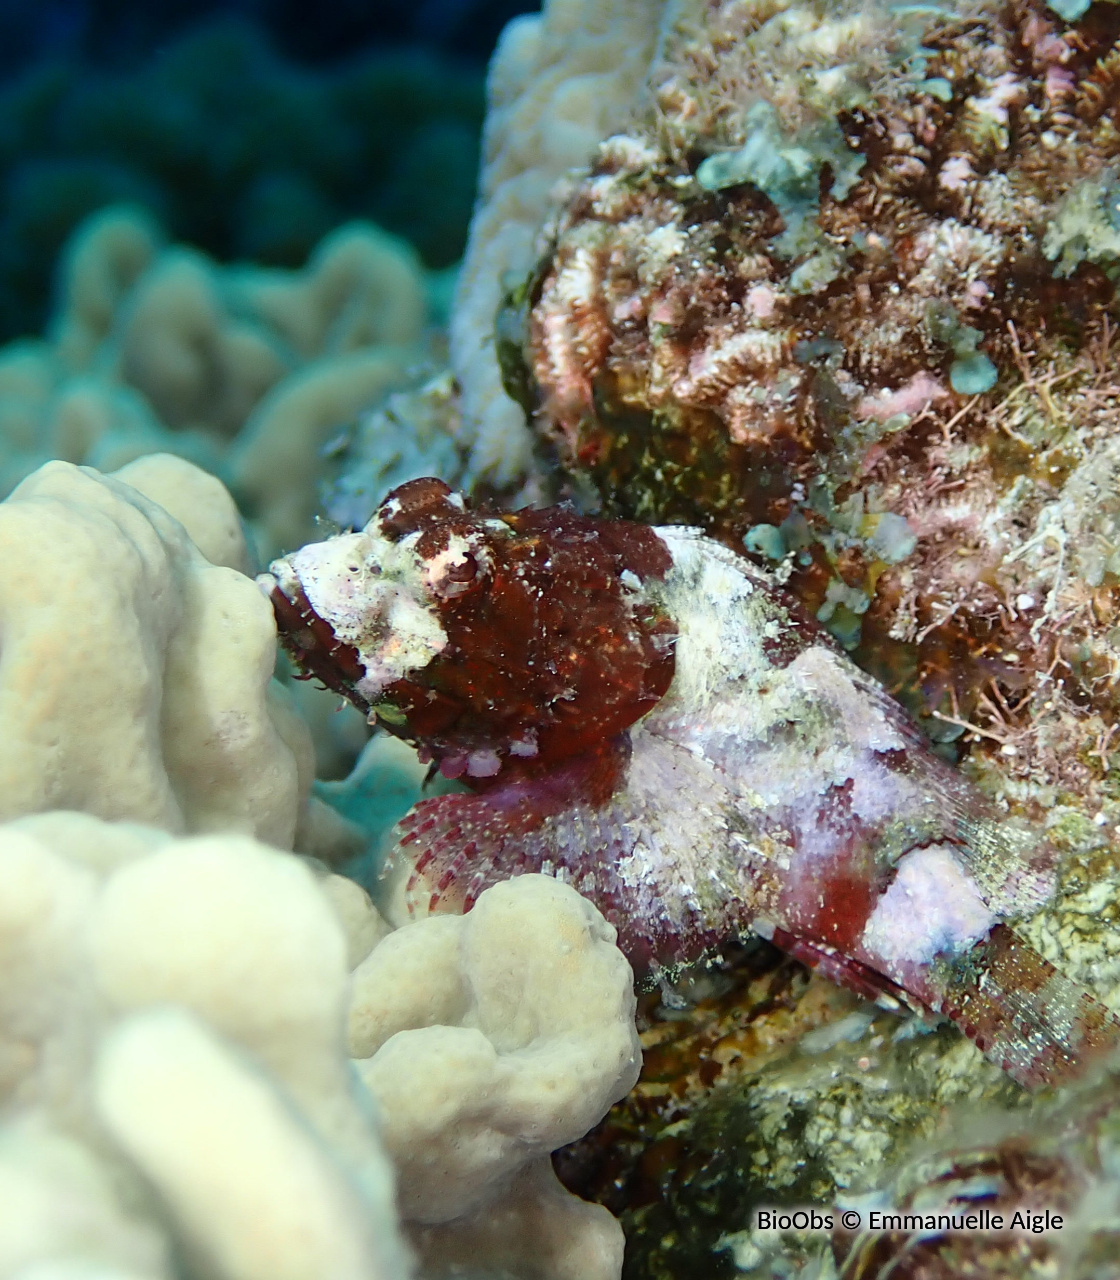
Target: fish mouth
(310, 641)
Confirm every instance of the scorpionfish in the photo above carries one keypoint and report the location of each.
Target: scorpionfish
(642, 713)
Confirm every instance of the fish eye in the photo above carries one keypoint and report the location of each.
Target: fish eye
(467, 571)
(462, 578)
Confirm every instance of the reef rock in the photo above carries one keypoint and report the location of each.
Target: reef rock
(843, 294)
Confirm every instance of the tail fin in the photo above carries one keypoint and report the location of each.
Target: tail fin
(1042, 1028)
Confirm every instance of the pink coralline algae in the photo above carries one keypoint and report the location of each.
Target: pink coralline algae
(642, 713)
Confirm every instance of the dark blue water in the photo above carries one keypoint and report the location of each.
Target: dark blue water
(122, 32)
(249, 127)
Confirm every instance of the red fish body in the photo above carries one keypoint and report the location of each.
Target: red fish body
(642, 713)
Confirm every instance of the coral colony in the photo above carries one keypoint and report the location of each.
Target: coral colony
(841, 295)
(642, 714)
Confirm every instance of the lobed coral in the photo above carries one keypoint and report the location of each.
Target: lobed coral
(176, 1097)
(246, 371)
(137, 676)
(489, 1040)
(176, 1094)
(176, 1015)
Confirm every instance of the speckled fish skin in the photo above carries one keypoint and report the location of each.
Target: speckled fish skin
(771, 786)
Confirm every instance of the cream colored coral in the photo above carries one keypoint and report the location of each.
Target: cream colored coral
(136, 681)
(362, 287)
(26, 379)
(160, 349)
(106, 425)
(286, 432)
(559, 84)
(263, 1198)
(60, 1216)
(173, 1028)
(196, 365)
(146, 948)
(246, 941)
(489, 1040)
(539, 1232)
(172, 1013)
(102, 261)
(200, 503)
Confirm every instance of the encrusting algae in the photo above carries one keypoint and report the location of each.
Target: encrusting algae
(842, 296)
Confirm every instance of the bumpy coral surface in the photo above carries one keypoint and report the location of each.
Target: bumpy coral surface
(178, 1096)
(489, 1040)
(246, 371)
(137, 677)
(171, 1017)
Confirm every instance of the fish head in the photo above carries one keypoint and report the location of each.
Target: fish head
(485, 639)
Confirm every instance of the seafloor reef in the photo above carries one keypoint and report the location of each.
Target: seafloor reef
(834, 283)
(844, 296)
(841, 292)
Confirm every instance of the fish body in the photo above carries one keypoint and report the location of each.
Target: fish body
(644, 714)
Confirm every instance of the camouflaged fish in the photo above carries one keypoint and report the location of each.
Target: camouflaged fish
(642, 713)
